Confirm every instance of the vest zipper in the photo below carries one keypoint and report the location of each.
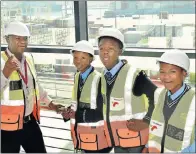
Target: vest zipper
(108, 112)
(163, 139)
(24, 98)
(34, 86)
(36, 99)
(108, 120)
(24, 103)
(108, 104)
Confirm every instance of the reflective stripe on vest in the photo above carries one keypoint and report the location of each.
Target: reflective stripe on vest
(10, 98)
(87, 95)
(99, 123)
(190, 122)
(125, 97)
(124, 106)
(94, 91)
(128, 91)
(127, 117)
(36, 94)
(156, 94)
(90, 135)
(12, 102)
(183, 135)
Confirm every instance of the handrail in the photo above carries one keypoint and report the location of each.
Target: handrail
(57, 138)
(139, 52)
(53, 137)
(51, 117)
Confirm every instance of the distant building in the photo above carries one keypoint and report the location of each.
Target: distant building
(129, 8)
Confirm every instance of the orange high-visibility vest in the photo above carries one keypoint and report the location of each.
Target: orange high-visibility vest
(12, 101)
(90, 136)
(124, 106)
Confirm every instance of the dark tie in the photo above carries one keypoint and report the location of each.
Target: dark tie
(169, 99)
(108, 76)
(81, 82)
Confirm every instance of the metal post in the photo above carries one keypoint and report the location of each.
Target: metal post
(81, 20)
(115, 15)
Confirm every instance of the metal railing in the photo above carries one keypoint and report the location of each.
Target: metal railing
(54, 137)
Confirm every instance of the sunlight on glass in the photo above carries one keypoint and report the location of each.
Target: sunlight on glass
(148, 24)
(49, 22)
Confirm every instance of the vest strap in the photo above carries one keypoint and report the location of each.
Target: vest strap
(190, 122)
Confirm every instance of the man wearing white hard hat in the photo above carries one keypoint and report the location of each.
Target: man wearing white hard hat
(124, 87)
(20, 95)
(85, 112)
(172, 126)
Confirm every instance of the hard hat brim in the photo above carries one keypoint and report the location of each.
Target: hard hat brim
(71, 52)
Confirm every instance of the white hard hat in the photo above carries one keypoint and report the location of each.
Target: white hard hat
(176, 57)
(16, 28)
(112, 32)
(83, 46)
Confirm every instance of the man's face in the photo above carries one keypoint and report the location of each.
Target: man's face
(17, 44)
(81, 60)
(172, 76)
(109, 52)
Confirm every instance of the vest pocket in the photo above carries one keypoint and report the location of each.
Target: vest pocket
(88, 141)
(128, 138)
(10, 122)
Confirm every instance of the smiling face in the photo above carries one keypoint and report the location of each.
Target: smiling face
(82, 60)
(109, 52)
(172, 76)
(17, 44)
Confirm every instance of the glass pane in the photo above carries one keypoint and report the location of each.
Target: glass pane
(147, 24)
(56, 75)
(49, 22)
(56, 72)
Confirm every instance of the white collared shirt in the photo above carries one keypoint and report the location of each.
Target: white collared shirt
(29, 102)
(114, 69)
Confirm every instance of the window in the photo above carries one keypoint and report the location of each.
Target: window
(49, 22)
(146, 24)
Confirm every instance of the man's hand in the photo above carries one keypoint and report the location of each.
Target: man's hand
(12, 64)
(56, 107)
(136, 125)
(72, 114)
(68, 113)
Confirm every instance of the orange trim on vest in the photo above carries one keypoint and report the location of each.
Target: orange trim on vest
(12, 117)
(89, 137)
(124, 137)
(36, 110)
(107, 134)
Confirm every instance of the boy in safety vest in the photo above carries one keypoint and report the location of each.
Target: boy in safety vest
(85, 112)
(172, 126)
(123, 88)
